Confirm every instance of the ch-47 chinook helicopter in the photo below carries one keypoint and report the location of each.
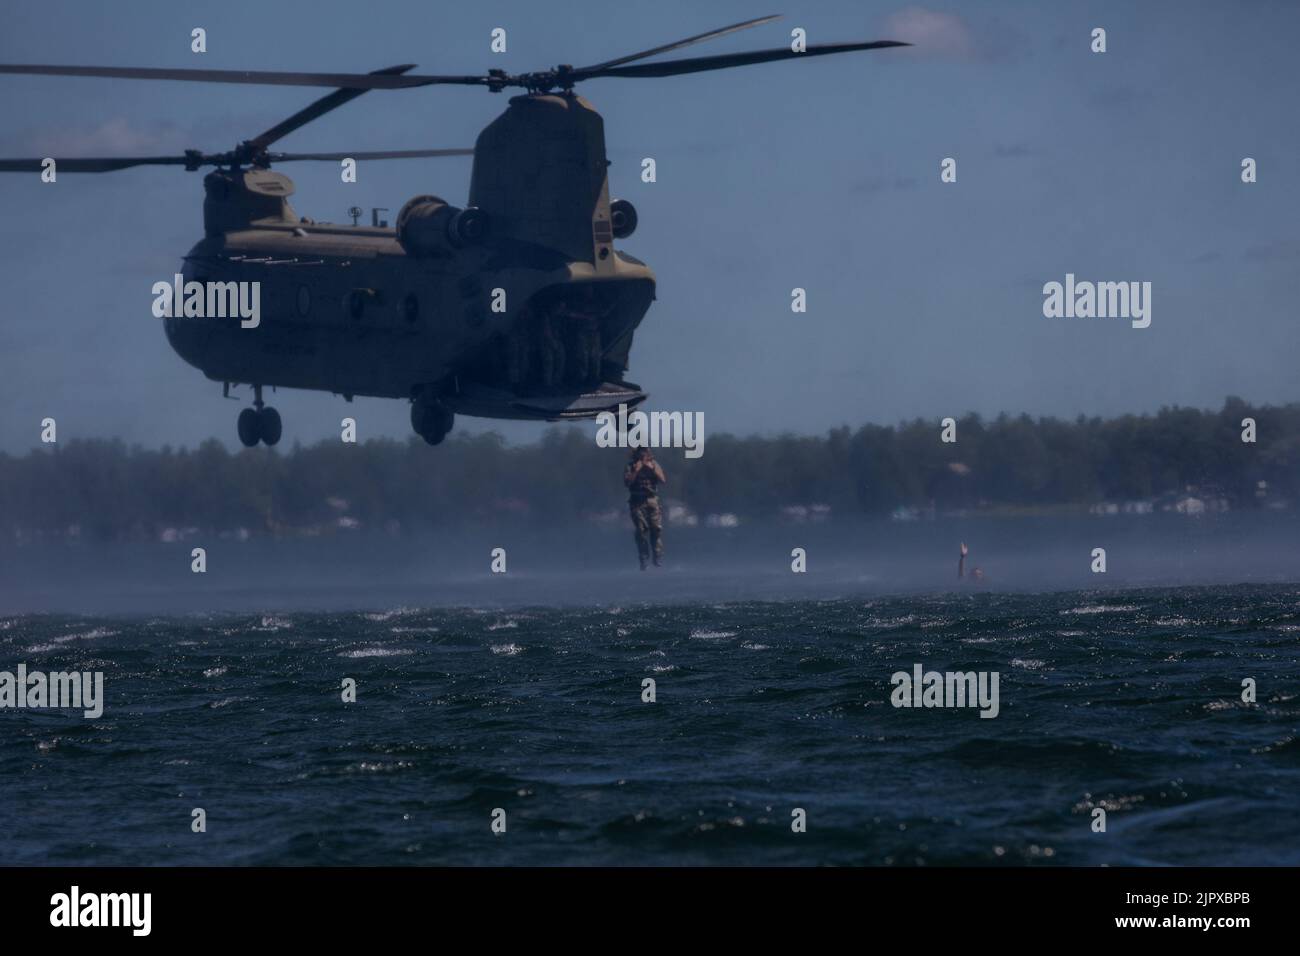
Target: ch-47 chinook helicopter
(414, 312)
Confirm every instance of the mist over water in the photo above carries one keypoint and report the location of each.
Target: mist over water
(584, 565)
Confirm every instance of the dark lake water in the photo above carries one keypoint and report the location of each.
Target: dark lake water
(1126, 700)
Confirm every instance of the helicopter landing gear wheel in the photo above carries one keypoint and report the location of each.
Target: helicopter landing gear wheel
(259, 423)
(268, 425)
(432, 421)
(249, 433)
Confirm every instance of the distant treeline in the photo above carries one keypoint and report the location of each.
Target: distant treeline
(105, 490)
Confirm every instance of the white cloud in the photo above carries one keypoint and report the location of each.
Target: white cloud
(949, 36)
(932, 32)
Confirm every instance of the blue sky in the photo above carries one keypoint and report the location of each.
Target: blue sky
(925, 298)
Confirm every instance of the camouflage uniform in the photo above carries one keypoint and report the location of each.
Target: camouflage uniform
(550, 348)
(587, 349)
(516, 353)
(643, 502)
(580, 319)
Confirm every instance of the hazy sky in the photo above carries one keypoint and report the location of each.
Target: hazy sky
(924, 298)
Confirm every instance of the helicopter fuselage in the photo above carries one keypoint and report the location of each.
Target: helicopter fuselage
(345, 309)
(393, 313)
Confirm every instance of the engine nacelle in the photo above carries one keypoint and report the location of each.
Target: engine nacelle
(428, 226)
(622, 218)
(469, 226)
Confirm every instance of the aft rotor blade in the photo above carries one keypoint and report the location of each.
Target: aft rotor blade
(321, 107)
(383, 154)
(351, 81)
(701, 64)
(90, 165)
(699, 38)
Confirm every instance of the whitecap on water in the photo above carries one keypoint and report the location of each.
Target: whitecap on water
(214, 672)
(388, 615)
(891, 621)
(376, 652)
(510, 650)
(1100, 609)
(374, 767)
(701, 634)
(90, 635)
(54, 642)
(502, 625)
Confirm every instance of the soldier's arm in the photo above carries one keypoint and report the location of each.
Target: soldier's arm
(659, 473)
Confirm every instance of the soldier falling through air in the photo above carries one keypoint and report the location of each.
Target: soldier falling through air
(643, 476)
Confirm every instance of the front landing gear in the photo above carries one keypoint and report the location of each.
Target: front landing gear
(431, 420)
(259, 423)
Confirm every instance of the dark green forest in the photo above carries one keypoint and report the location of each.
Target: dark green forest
(102, 489)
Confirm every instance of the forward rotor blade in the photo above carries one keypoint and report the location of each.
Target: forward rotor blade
(350, 81)
(383, 154)
(321, 107)
(702, 64)
(90, 165)
(108, 164)
(700, 38)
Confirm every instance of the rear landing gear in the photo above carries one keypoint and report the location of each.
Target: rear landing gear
(431, 420)
(259, 423)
